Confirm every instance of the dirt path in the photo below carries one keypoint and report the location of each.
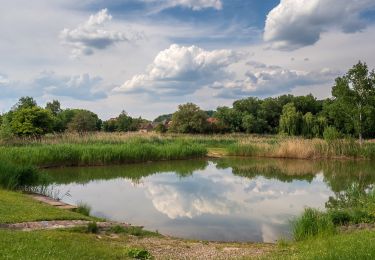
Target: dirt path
(172, 248)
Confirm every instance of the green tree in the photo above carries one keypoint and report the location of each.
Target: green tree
(289, 120)
(248, 123)
(125, 123)
(31, 121)
(308, 122)
(6, 132)
(54, 107)
(230, 120)
(189, 119)
(354, 95)
(84, 121)
(25, 102)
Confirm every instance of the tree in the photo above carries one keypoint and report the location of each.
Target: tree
(230, 120)
(124, 123)
(84, 121)
(308, 122)
(31, 121)
(289, 120)
(54, 107)
(248, 123)
(5, 128)
(24, 102)
(354, 95)
(189, 119)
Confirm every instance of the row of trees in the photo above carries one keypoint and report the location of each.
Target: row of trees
(350, 111)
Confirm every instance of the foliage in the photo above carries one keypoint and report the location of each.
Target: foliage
(31, 121)
(84, 121)
(189, 119)
(139, 253)
(290, 120)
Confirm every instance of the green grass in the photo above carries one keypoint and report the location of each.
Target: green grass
(16, 207)
(312, 223)
(136, 150)
(63, 245)
(357, 245)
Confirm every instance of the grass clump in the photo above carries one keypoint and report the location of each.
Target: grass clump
(18, 176)
(133, 231)
(83, 208)
(92, 227)
(312, 223)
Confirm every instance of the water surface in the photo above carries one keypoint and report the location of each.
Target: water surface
(222, 200)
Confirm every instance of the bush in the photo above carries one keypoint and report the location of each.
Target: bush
(330, 134)
(139, 253)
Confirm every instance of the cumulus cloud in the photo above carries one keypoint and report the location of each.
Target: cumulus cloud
(92, 35)
(297, 23)
(265, 80)
(195, 5)
(81, 87)
(181, 70)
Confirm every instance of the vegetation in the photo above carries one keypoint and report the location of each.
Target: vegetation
(63, 245)
(350, 111)
(16, 207)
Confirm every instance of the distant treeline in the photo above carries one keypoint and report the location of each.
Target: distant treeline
(350, 112)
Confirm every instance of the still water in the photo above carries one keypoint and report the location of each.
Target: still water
(222, 200)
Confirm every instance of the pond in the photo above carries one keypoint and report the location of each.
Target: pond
(223, 199)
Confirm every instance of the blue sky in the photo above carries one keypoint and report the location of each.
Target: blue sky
(148, 56)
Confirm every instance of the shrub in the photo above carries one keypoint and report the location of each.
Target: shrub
(139, 253)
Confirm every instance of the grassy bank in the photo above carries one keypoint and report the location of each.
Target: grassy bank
(16, 207)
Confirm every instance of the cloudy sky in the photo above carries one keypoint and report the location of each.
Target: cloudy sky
(148, 56)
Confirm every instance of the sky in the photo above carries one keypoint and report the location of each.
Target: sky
(148, 56)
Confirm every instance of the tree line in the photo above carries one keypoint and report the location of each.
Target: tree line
(349, 112)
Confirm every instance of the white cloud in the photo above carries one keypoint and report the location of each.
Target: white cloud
(195, 5)
(81, 87)
(92, 35)
(297, 23)
(265, 80)
(181, 70)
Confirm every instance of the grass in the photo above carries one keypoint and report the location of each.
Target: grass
(299, 148)
(64, 245)
(312, 223)
(134, 150)
(83, 208)
(16, 207)
(348, 246)
(14, 176)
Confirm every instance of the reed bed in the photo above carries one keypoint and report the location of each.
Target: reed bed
(298, 148)
(89, 154)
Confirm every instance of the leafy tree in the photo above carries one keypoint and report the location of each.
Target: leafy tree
(230, 120)
(308, 122)
(161, 128)
(84, 121)
(25, 102)
(248, 123)
(54, 107)
(189, 119)
(31, 121)
(110, 125)
(289, 120)
(354, 95)
(125, 123)
(5, 128)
